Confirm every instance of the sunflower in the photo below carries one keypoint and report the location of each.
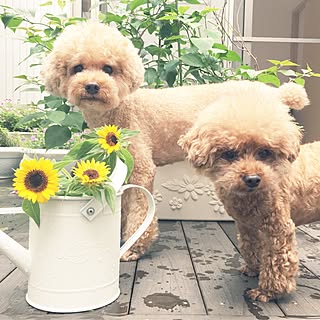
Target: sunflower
(91, 172)
(109, 138)
(36, 180)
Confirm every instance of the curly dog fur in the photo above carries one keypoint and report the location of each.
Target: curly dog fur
(99, 70)
(249, 145)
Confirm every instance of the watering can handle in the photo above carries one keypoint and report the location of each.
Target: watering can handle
(145, 224)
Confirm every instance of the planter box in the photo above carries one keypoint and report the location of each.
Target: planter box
(22, 136)
(51, 154)
(181, 194)
(10, 158)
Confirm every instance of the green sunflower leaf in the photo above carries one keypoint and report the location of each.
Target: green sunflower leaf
(111, 160)
(91, 135)
(97, 194)
(32, 210)
(61, 164)
(80, 150)
(110, 196)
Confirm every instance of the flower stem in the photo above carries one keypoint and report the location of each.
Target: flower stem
(66, 173)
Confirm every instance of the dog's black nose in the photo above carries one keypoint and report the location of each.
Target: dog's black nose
(92, 88)
(252, 181)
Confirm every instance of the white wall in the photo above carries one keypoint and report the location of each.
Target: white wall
(13, 51)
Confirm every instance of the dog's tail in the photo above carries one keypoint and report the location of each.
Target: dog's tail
(294, 96)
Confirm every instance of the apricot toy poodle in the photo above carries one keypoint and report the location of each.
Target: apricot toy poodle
(248, 144)
(97, 69)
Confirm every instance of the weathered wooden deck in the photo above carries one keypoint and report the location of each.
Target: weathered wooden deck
(191, 273)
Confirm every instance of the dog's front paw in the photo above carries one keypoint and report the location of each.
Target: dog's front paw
(130, 255)
(260, 295)
(248, 272)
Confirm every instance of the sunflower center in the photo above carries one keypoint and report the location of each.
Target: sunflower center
(36, 181)
(91, 173)
(111, 139)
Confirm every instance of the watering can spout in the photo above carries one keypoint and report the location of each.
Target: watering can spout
(15, 252)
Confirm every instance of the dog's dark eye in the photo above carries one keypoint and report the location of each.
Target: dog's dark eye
(264, 154)
(230, 155)
(107, 69)
(78, 68)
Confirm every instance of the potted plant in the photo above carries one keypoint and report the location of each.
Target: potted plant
(13, 135)
(11, 115)
(10, 154)
(36, 145)
(26, 129)
(73, 260)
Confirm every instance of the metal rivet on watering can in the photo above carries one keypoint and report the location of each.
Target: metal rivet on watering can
(91, 211)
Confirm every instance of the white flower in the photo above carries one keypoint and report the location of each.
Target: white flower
(208, 189)
(214, 200)
(157, 196)
(175, 203)
(190, 187)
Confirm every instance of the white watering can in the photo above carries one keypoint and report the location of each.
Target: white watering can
(73, 258)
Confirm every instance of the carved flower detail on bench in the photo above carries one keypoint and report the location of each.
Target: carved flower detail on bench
(189, 186)
(214, 200)
(157, 196)
(175, 203)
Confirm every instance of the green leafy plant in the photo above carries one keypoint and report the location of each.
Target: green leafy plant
(36, 140)
(271, 74)
(188, 44)
(12, 113)
(6, 140)
(59, 119)
(182, 51)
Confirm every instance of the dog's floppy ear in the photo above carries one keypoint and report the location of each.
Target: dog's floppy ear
(53, 70)
(294, 154)
(294, 149)
(196, 143)
(132, 68)
(289, 144)
(294, 96)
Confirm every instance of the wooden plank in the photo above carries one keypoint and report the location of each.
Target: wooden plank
(13, 290)
(20, 234)
(309, 251)
(121, 306)
(312, 229)
(10, 222)
(5, 183)
(305, 302)
(230, 230)
(308, 244)
(189, 317)
(12, 296)
(165, 280)
(7, 198)
(217, 264)
(90, 316)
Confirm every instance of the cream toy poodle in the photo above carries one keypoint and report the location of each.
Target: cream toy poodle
(249, 145)
(100, 71)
